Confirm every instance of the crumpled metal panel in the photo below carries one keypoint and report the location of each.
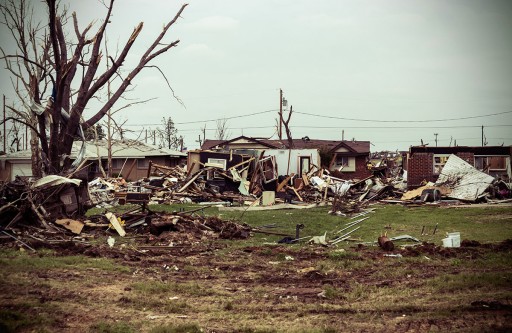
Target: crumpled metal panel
(54, 180)
(467, 183)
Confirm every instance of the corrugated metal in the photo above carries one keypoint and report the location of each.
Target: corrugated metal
(120, 149)
(466, 182)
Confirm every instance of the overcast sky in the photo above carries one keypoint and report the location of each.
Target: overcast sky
(387, 63)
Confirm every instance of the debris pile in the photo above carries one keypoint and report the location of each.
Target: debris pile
(254, 180)
(52, 210)
(197, 226)
(42, 201)
(240, 181)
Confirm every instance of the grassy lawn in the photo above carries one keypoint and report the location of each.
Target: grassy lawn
(257, 285)
(492, 224)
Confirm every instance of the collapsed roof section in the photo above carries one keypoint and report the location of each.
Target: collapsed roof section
(359, 147)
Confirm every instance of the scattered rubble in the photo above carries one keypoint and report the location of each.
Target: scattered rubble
(248, 182)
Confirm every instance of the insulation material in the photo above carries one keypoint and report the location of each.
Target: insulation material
(466, 182)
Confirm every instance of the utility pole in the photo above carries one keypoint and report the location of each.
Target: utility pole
(5, 138)
(436, 138)
(280, 114)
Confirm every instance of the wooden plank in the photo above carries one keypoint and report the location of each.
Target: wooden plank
(73, 225)
(191, 180)
(149, 168)
(282, 184)
(326, 188)
(241, 163)
(305, 179)
(296, 193)
(115, 223)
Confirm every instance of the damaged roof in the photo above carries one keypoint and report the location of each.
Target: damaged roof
(120, 149)
(476, 150)
(304, 143)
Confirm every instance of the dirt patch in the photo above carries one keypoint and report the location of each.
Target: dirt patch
(202, 279)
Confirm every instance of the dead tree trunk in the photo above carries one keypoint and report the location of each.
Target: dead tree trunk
(65, 70)
(287, 128)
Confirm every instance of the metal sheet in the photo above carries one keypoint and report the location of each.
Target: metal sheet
(466, 182)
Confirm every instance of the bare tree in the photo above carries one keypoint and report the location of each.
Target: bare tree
(222, 132)
(56, 74)
(286, 124)
(169, 135)
(29, 67)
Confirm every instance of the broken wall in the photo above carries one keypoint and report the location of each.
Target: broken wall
(289, 160)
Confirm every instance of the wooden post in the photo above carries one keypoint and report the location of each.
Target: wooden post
(149, 168)
(280, 114)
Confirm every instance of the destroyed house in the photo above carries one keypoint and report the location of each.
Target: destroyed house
(425, 164)
(347, 159)
(388, 164)
(130, 159)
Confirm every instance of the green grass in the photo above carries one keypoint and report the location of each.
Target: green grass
(491, 224)
(483, 224)
(18, 320)
(225, 289)
(256, 330)
(11, 260)
(183, 328)
(466, 281)
(492, 260)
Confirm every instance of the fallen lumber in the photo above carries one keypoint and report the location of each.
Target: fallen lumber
(115, 223)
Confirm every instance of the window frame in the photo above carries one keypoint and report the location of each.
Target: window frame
(487, 166)
(213, 174)
(437, 167)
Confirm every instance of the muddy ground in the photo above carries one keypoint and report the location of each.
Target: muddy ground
(224, 286)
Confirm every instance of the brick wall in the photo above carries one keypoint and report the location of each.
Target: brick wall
(360, 173)
(468, 157)
(421, 167)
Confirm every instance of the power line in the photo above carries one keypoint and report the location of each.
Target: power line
(401, 121)
(355, 127)
(340, 118)
(400, 127)
(440, 140)
(207, 121)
